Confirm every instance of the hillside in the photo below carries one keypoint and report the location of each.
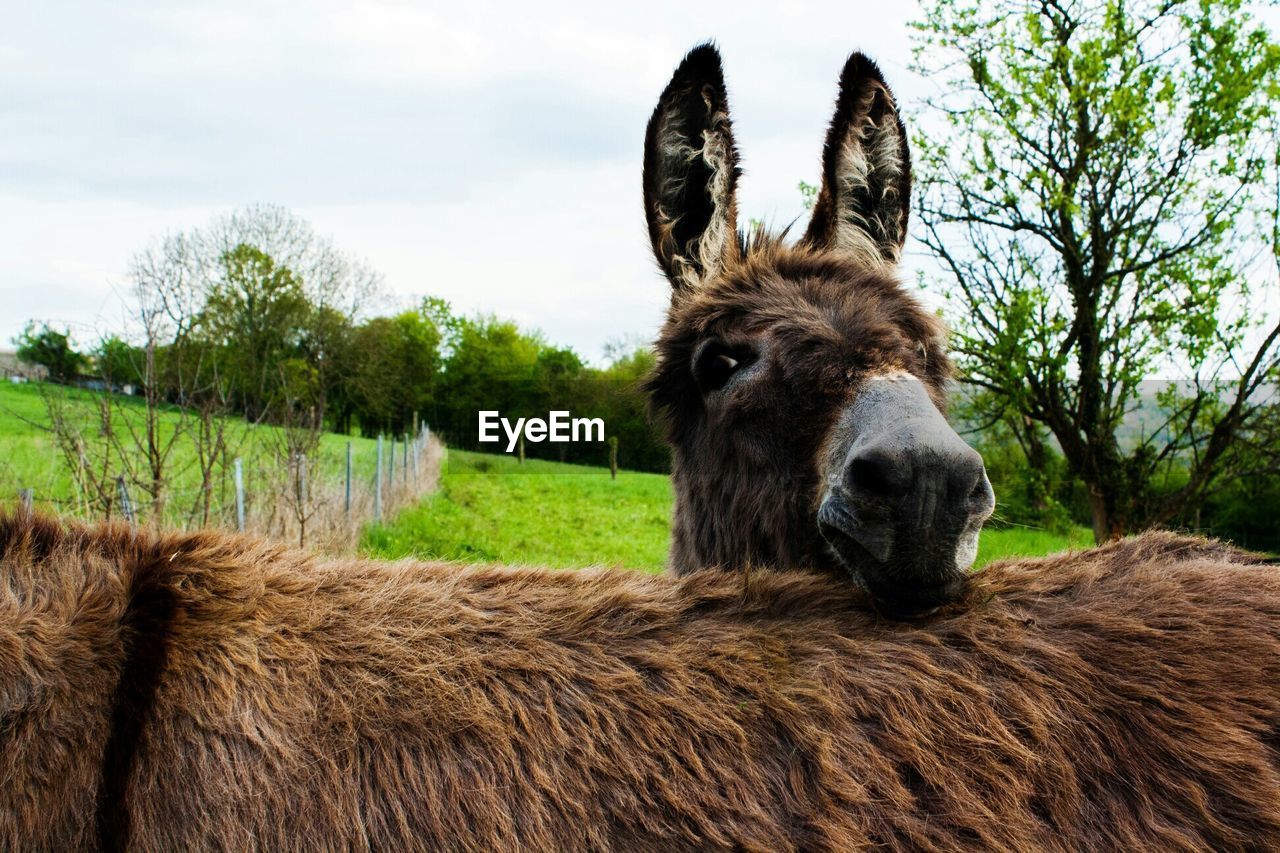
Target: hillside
(30, 458)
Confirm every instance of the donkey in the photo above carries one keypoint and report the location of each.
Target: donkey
(802, 388)
(210, 692)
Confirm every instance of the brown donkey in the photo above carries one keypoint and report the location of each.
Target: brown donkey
(209, 692)
(801, 385)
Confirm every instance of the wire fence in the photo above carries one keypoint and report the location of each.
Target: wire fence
(308, 499)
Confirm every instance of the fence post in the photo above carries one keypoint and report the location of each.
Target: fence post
(391, 463)
(126, 506)
(239, 477)
(27, 499)
(302, 480)
(377, 485)
(404, 462)
(613, 457)
(348, 502)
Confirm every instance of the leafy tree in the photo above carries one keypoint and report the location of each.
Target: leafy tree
(560, 381)
(418, 362)
(447, 323)
(1094, 200)
(256, 312)
(326, 346)
(397, 364)
(641, 446)
(491, 367)
(557, 374)
(374, 374)
(46, 346)
(118, 362)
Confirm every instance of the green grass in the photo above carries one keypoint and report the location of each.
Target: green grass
(29, 458)
(491, 509)
(998, 543)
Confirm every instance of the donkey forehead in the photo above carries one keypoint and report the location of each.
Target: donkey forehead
(828, 303)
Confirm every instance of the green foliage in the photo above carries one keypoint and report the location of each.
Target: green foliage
(808, 193)
(50, 348)
(1245, 512)
(1044, 498)
(625, 410)
(1093, 198)
(447, 323)
(118, 362)
(256, 314)
(491, 367)
(395, 367)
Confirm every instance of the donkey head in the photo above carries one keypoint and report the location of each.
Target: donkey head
(801, 386)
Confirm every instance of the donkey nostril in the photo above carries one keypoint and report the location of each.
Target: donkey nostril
(879, 474)
(982, 500)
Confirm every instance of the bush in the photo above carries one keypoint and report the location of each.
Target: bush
(51, 349)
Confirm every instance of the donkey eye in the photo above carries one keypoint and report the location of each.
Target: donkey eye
(715, 363)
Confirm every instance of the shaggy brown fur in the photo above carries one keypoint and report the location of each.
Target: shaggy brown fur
(201, 691)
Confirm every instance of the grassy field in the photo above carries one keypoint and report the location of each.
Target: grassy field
(491, 509)
(29, 458)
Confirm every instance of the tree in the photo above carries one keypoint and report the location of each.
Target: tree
(396, 361)
(625, 408)
(1095, 202)
(117, 362)
(51, 349)
(255, 312)
(418, 362)
(491, 367)
(559, 382)
(336, 287)
(330, 278)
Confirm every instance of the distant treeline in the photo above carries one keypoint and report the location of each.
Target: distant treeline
(257, 316)
(374, 376)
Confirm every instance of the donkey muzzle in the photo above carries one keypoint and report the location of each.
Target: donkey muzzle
(905, 498)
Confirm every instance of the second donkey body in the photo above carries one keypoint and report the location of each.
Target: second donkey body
(205, 691)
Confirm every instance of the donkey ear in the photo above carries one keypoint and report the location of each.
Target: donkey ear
(866, 171)
(690, 172)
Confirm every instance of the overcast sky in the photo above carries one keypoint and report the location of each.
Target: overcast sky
(488, 153)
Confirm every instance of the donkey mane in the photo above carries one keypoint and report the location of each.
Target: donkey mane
(211, 691)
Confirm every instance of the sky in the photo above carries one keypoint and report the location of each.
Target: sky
(488, 153)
